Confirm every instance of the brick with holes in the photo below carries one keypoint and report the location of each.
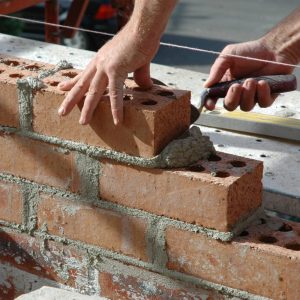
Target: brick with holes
(12, 69)
(264, 260)
(152, 118)
(216, 193)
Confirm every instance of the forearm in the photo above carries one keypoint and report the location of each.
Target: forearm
(284, 38)
(149, 19)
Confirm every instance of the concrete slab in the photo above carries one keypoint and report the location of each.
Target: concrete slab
(281, 158)
(50, 293)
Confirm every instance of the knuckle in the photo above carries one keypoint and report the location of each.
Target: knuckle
(93, 92)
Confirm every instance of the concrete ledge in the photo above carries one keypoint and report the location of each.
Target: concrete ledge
(49, 293)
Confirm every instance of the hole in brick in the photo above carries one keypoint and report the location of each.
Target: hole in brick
(54, 83)
(196, 168)
(158, 82)
(149, 102)
(70, 74)
(16, 75)
(263, 221)
(238, 163)
(293, 246)
(259, 140)
(221, 174)
(140, 89)
(32, 67)
(214, 157)
(268, 239)
(127, 97)
(106, 92)
(168, 94)
(285, 228)
(12, 63)
(1, 71)
(244, 233)
(218, 130)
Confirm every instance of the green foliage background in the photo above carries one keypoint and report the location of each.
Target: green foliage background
(13, 27)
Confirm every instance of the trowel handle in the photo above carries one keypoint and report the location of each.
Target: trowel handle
(277, 83)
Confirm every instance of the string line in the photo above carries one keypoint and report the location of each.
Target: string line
(161, 43)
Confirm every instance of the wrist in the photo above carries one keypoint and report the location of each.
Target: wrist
(284, 39)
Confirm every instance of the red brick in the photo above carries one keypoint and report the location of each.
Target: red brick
(125, 287)
(9, 103)
(11, 202)
(146, 129)
(92, 225)
(190, 196)
(258, 262)
(64, 264)
(38, 161)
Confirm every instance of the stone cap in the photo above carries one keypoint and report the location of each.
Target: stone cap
(50, 293)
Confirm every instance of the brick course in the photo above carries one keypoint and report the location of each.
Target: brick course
(192, 195)
(264, 261)
(38, 161)
(92, 225)
(151, 121)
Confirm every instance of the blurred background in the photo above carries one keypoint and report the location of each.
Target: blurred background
(208, 24)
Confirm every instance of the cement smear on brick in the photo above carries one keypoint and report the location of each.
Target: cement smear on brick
(62, 65)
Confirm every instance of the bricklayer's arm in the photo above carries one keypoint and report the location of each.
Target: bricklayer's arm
(131, 50)
(281, 44)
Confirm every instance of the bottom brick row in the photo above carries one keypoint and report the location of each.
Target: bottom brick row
(264, 260)
(27, 263)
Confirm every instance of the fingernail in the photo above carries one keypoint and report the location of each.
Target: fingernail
(82, 121)
(116, 121)
(61, 111)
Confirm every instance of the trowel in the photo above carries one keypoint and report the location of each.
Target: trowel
(277, 84)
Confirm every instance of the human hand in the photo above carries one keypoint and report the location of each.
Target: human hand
(251, 91)
(127, 52)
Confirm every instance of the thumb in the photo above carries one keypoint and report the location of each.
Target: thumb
(142, 77)
(217, 71)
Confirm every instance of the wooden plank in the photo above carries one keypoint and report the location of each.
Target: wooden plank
(250, 122)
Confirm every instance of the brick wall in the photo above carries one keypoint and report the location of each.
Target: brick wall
(71, 217)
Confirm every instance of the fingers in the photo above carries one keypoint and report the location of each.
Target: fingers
(233, 97)
(142, 77)
(94, 94)
(210, 103)
(264, 96)
(247, 101)
(217, 71)
(77, 92)
(247, 95)
(67, 85)
(116, 98)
